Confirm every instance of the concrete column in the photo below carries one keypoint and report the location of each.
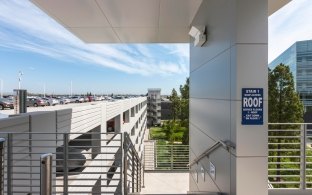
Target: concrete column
(234, 57)
(118, 124)
(127, 116)
(96, 136)
(132, 112)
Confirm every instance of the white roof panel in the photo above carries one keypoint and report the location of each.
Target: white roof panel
(129, 21)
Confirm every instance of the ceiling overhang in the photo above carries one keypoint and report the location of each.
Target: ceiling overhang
(131, 21)
(275, 5)
(120, 21)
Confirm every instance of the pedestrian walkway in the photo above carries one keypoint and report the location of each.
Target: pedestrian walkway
(166, 183)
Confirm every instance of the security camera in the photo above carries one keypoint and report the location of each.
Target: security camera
(199, 35)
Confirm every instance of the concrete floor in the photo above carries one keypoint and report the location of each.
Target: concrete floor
(166, 183)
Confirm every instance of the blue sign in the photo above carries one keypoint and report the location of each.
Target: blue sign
(252, 106)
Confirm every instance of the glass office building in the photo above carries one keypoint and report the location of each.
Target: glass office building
(299, 58)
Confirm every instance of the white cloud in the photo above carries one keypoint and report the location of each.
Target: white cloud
(288, 25)
(24, 27)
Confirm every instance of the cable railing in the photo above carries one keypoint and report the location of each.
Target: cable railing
(88, 163)
(166, 157)
(290, 155)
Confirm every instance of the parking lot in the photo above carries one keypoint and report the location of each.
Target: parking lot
(48, 108)
(50, 103)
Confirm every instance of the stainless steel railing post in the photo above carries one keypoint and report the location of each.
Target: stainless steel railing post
(65, 164)
(133, 171)
(125, 163)
(137, 175)
(2, 142)
(121, 179)
(155, 155)
(171, 158)
(46, 174)
(9, 165)
(143, 184)
(303, 137)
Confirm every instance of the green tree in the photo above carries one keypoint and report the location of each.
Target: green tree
(184, 114)
(284, 103)
(184, 104)
(184, 90)
(175, 106)
(284, 107)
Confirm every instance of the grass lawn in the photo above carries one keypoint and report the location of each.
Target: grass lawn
(156, 133)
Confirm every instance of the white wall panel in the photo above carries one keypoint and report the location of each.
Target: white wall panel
(251, 22)
(248, 67)
(211, 116)
(199, 137)
(251, 175)
(234, 57)
(216, 15)
(217, 84)
(113, 109)
(15, 124)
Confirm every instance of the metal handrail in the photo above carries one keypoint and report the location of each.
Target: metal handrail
(289, 123)
(2, 148)
(166, 157)
(79, 164)
(111, 139)
(131, 145)
(289, 156)
(133, 163)
(216, 145)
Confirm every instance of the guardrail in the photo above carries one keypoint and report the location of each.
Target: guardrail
(133, 168)
(92, 163)
(290, 155)
(166, 157)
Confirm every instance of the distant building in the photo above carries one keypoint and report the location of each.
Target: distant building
(299, 58)
(154, 107)
(166, 113)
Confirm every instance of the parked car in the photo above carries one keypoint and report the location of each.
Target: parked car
(36, 102)
(98, 98)
(77, 99)
(51, 101)
(119, 97)
(64, 100)
(6, 103)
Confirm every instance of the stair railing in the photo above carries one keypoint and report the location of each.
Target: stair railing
(225, 144)
(132, 169)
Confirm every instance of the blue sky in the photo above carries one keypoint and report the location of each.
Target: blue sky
(49, 55)
(288, 25)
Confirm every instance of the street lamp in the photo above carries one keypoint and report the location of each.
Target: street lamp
(20, 74)
(1, 88)
(71, 88)
(44, 90)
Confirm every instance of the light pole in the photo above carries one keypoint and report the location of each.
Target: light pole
(44, 90)
(1, 88)
(71, 88)
(20, 74)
